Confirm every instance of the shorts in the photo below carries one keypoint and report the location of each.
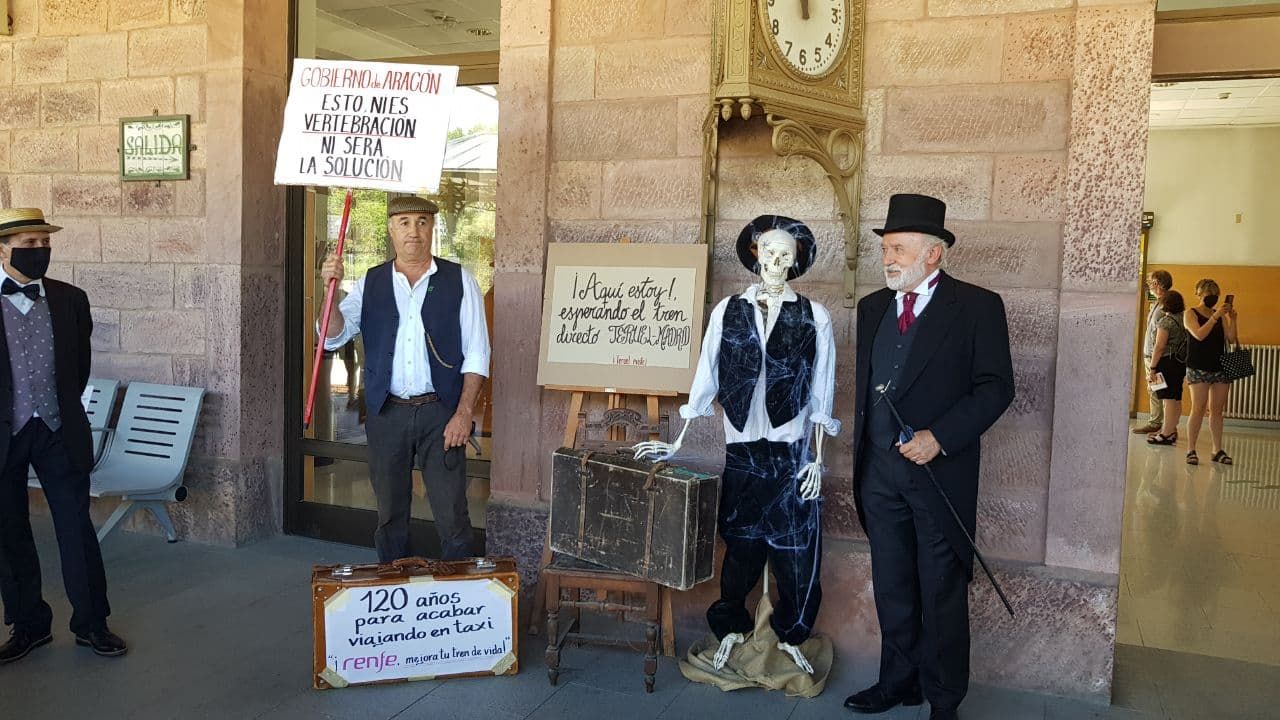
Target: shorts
(1196, 377)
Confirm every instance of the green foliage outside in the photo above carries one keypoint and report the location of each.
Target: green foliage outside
(464, 233)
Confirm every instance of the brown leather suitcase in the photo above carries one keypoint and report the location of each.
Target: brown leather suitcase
(414, 619)
(652, 520)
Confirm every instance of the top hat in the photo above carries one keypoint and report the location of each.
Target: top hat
(20, 220)
(917, 213)
(411, 204)
(806, 245)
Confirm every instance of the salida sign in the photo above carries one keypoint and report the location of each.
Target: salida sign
(420, 628)
(154, 148)
(379, 126)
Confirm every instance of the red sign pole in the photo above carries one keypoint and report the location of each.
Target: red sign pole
(324, 318)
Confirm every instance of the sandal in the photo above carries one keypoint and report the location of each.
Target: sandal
(1222, 457)
(1158, 439)
(1192, 458)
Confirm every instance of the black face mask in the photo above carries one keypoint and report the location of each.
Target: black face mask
(32, 262)
(1210, 300)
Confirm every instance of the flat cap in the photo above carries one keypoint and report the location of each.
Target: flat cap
(411, 204)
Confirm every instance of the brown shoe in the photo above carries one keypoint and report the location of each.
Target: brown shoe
(1146, 429)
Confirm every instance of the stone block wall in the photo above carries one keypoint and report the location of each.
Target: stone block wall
(185, 278)
(1027, 116)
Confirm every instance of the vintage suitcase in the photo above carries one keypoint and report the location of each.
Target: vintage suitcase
(655, 521)
(414, 619)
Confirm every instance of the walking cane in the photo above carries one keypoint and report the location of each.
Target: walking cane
(905, 437)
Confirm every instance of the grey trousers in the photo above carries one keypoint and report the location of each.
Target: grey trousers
(402, 437)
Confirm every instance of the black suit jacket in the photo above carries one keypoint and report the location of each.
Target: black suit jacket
(73, 355)
(957, 381)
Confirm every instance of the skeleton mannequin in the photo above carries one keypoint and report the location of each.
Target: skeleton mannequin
(738, 366)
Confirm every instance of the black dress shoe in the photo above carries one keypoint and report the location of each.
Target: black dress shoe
(937, 714)
(876, 699)
(20, 643)
(104, 642)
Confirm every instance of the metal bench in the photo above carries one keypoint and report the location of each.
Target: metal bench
(147, 456)
(100, 401)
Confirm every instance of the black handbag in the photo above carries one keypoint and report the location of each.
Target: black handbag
(1237, 364)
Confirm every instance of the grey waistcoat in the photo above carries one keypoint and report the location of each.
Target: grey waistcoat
(35, 388)
(889, 353)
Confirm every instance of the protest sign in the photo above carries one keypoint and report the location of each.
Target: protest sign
(381, 126)
(624, 316)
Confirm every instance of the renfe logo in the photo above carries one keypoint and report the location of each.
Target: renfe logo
(373, 662)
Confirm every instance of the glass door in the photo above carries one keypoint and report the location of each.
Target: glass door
(328, 493)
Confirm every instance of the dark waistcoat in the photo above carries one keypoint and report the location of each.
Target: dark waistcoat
(889, 353)
(35, 387)
(788, 359)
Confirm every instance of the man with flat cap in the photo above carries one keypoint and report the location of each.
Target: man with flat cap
(426, 357)
(44, 367)
(938, 349)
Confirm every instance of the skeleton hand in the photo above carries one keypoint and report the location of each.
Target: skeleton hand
(796, 655)
(727, 645)
(810, 477)
(659, 451)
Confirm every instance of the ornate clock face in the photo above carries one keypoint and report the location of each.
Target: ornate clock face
(808, 34)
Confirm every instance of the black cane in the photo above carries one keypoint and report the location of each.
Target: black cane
(905, 437)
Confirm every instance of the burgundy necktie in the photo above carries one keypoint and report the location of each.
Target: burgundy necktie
(908, 315)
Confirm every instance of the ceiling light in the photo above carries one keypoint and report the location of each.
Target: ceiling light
(1224, 95)
(480, 32)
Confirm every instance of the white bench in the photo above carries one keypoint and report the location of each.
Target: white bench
(147, 456)
(142, 461)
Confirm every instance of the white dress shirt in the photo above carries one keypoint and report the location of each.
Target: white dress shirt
(706, 381)
(410, 369)
(923, 292)
(20, 301)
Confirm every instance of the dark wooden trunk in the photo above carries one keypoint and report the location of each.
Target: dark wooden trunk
(657, 522)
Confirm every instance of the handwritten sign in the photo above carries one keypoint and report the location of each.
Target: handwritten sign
(622, 316)
(155, 147)
(379, 126)
(418, 629)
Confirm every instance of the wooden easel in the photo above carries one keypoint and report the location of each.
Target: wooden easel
(617, 400)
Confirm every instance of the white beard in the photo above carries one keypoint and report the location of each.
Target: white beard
(908, 277)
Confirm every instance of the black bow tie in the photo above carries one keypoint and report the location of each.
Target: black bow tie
(32, 291)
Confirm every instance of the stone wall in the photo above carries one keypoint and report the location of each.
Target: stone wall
(185, 278)
(1027, 117)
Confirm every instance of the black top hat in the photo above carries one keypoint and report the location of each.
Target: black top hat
(917, 213)
(806, 245)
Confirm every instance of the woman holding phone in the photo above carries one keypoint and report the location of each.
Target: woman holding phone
(1210, 326)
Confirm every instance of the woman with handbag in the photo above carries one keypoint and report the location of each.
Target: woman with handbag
(1168, 362)
(1210, 326)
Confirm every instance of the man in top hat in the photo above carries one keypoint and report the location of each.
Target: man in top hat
(426, 357)
(44, 367)
(939, 349)
(768, 358)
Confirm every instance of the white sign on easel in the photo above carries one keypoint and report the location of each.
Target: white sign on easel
(380, 126)
(418, 629)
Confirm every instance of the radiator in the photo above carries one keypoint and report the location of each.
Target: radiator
(1258, 397)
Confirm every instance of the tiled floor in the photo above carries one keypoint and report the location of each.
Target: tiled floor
(1200, 561)
(226, 634)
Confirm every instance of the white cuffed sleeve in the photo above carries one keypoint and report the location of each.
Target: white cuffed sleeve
(350, 308)
(822, 391)
(475, 331)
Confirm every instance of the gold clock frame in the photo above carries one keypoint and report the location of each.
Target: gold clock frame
(818, 118)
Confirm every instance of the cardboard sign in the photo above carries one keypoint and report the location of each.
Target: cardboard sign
(622, 316)
(379, 126)
(442, 624)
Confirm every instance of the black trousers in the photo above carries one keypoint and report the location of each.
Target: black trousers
(763, 519)
(402, 437)
(921, 587)
(67, 492)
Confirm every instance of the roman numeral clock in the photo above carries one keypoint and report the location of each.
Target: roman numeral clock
(799, 63)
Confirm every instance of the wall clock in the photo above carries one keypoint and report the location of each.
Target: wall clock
(799, 62)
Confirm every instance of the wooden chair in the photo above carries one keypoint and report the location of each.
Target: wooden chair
(610, 592)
